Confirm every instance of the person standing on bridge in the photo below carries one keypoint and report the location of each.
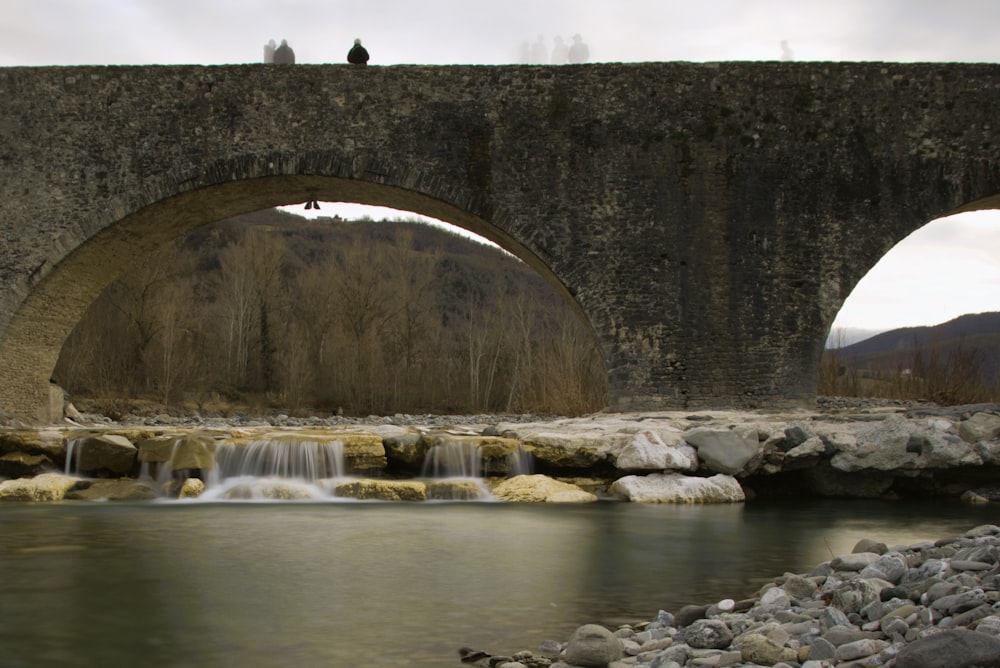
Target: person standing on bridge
(284, 55)
(358, 55)
(578, 52)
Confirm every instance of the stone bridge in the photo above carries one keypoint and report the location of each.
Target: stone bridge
(706, 220)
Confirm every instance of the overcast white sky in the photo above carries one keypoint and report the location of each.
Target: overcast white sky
(943, 271)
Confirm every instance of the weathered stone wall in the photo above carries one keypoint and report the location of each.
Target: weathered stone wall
(707, 219)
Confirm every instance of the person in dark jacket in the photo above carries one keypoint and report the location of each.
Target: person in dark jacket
(284, 55)
(358, 55)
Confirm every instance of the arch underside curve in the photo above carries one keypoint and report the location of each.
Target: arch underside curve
(57, 296)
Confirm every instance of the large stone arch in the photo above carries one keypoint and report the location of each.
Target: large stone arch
(76, 272)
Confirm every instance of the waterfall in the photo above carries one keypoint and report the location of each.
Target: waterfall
(465, 459)
(71, 446)
(282, 468)
(460, 459)
(520, 462)
(282, 458)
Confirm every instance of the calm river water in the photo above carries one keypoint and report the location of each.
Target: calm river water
(377, 584)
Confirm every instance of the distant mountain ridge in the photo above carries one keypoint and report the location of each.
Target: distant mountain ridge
(974, 333)
(969, 326)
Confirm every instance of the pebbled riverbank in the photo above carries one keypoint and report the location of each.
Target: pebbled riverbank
(928, 605)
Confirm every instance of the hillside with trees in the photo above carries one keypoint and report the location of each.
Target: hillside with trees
(956, 362)
(269, 310)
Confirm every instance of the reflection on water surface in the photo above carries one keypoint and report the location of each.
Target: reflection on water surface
(376, 584)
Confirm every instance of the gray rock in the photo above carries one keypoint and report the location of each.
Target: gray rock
(854, 561)
(869, 545)
(689, 614)
(890, 567)
(980, 427)
(805, 455)
(799, 587)
(958, 603)
(677, 488)
(821, 649)
(932, 568)
(593, 646)
(832, 618)
(893, 626)
(860, 648)
(958, 648)
(757, 648)
(967, 618)
(842, 635)
(724, 450)
(967, 565)
(796, 435)
(709, 634)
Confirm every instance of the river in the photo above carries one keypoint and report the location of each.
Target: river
(365, 584)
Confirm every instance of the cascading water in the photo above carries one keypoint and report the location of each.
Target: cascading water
(459, 459)
(465, 459)
(294, 465)
(276, 468)
(457, 469)
(283, 458)
(520, 462)
(72, 457)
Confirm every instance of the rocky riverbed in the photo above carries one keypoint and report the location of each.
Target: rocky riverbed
(929, 605)
(843, 448)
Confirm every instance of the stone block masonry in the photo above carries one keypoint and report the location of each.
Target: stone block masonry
(706, 219)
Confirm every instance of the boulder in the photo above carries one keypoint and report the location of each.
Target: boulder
(184, 488)
(406, 451)
(122, 489)
(677, 488)
(192, 487)
(48, 442)
(898, 444)
(796, 434)
(186, 451)
(100, 453)
(24, 464)
(592, 646)
(382, 490)
(648, 451)
(980, 427)
(725, 451)
(456, 489)
(44, 487)
(805, 455)
(540, 489)
(363, 451)
(572, 450)
(988, 451)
